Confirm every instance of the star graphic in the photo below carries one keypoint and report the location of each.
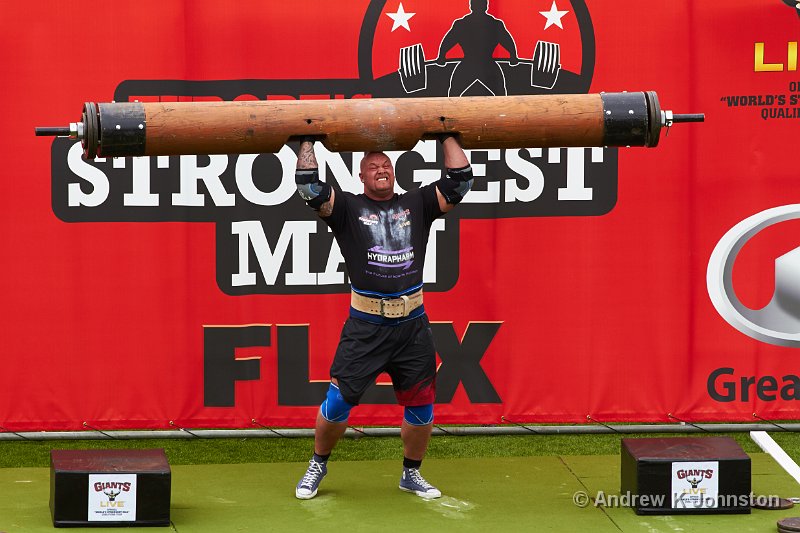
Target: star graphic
(400, 18)
(553, 16)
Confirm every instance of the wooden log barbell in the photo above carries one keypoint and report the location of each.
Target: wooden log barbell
(369, 124)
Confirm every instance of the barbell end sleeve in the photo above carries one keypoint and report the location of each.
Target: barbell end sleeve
(48, 131)
(688, 117)
(668, 118)
(75, 130)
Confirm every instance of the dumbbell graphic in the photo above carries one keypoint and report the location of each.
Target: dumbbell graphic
(545, 66)
(413, 68)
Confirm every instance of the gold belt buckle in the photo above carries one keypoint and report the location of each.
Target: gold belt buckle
(383, 310)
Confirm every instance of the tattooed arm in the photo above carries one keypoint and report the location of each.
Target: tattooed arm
(318, 195)
(306, 159)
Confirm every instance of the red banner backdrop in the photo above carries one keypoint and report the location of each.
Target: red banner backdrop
(200, 291)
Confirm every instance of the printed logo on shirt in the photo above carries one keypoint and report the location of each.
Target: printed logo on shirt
(370, 220)
(378, 256)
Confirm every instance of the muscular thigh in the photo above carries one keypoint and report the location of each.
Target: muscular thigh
(413, 367)
(362, 354)
(405, 351)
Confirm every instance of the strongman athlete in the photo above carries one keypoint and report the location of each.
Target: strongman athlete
(382, 236)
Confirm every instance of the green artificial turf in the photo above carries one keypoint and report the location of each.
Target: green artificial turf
(275, 450)
(481, 494)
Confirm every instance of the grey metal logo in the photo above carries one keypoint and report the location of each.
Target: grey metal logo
(779, 322)
(793, 3)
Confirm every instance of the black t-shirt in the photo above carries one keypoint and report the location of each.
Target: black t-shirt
(383, 242)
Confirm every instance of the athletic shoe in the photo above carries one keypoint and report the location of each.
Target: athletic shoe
(412, 481)
(307, 488)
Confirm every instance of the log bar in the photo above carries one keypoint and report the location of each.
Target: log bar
(369, 124)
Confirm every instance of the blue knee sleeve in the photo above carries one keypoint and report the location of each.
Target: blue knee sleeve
(419, 415)
(334, 408)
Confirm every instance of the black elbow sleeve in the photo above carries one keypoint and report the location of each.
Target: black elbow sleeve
(455, 185)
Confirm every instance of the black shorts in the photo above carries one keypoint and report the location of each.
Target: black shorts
(405, 351)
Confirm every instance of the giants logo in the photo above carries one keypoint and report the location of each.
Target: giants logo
(695, 476)
(112, 488)
(268, 242)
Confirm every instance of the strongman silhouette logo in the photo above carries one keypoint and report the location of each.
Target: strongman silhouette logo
(478, 34)
(481, 54)
(479, 73)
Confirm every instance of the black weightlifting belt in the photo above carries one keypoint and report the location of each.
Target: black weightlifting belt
(386, 307)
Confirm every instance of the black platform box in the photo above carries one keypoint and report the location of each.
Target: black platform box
(685, 475)
(109, 488)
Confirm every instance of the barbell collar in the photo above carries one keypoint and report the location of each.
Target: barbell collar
(627, 119)
(122, 130)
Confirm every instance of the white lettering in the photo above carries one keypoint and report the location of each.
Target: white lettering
(212, 193)
(628, 499)
(191, 173)
(526, 170)
(575, 189)
(348, 180)
(394, 258)
(140, 195)
(250, 235)
(252, 232)
(429, 269)
(96, 178)
(492, 192)
(425, 176)
(251, 193)
(332, 276)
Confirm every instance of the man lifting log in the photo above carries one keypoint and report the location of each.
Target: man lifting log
(383, 236)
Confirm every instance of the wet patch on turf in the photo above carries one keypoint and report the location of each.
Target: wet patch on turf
(450, 507)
